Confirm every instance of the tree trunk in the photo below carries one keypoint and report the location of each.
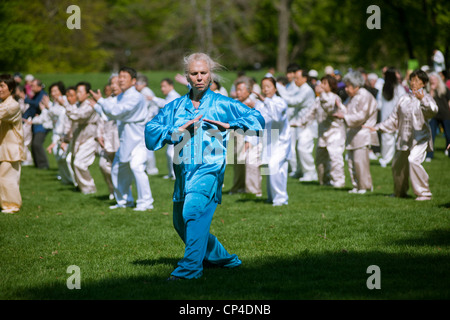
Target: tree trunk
(283, 8)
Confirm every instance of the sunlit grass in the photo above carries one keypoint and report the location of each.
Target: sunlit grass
(318, 247)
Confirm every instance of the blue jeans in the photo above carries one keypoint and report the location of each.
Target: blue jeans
(192, 220)
(434, 125)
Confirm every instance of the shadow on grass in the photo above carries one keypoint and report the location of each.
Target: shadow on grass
(329, 275)
(445, 205)
(437, 238)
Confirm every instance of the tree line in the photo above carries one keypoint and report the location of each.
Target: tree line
(241, 34)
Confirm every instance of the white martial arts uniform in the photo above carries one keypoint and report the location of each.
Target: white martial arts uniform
(302, 139)
(107, 129)
(361, 110)
(56, 115)
(160, 102)
(388, 138)
(410, 117)
(276, 147)
(84, 144)
(153, 110)
(130, 111)
(331, 143)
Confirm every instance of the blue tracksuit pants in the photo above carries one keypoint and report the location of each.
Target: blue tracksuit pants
(192, 220)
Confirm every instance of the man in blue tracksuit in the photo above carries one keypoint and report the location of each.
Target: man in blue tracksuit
(198, 125)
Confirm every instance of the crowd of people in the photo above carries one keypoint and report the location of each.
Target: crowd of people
(356, 117)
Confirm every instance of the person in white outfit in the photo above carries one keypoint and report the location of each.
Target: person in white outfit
(277, 145)
(170, 94)
(332, 132)
(411, 117)
(248, 149)
(69, 127)
(153, 109)
(130, 110)
(84, 146)
(108, 135)
(438, 61)
(387, 100)
(56, 113)
(299, 96)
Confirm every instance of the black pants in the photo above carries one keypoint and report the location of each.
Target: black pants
(38, 150)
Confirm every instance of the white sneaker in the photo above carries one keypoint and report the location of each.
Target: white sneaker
(111, 196)
(153, 171)
(118, 206)
(354, 190)
(423, 198)
(9, 211)
(280, 204)
(150, 207)
(427, 159)
(308, 178)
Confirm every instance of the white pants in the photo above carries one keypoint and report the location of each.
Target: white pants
(330, 165)
(151, 167)
(122, 175)
(83, 158)
(169, 155)
(277, 182)
(359, 168)
(302, 146)
(407, 165)
(387, 147)
(64, 169)
(70, 167)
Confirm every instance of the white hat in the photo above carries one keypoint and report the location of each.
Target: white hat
(372, 76)
(29, 77)
(313, 73)
(329, 70)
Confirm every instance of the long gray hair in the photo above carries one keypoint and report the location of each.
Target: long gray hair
(441, 89)
(213, 66)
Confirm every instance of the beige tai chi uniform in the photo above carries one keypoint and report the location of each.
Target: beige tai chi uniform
(11, 155)
(84, 145)
(108, 131)
(248, 152)
(361, 110)
(410, 117)
(331, 143)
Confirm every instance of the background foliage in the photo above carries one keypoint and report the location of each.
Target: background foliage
(242, 34)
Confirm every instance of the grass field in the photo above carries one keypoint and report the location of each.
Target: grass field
(317, 247)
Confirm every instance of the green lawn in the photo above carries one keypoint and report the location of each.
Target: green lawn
(318, 247)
